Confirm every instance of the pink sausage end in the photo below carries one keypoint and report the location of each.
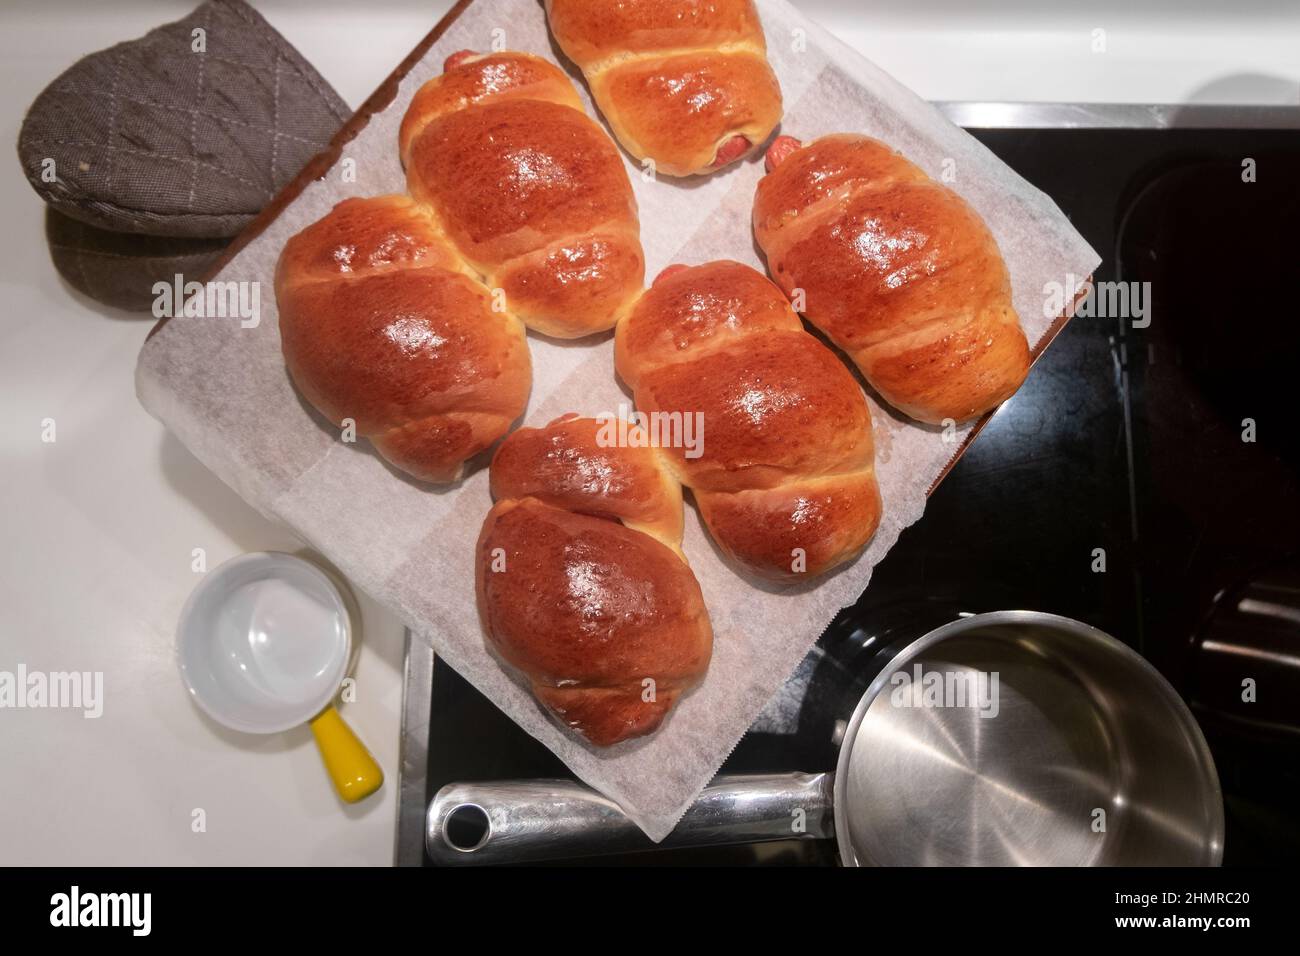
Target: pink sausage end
(456, 59)
(780, 151)
(731, 150)
(668, 271)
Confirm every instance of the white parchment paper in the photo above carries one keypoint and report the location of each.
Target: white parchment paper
(224, 392)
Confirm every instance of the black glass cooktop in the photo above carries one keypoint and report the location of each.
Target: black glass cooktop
(1131, 440)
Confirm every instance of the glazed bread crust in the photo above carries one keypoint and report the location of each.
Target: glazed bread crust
(406, 314)
(683, 82)
(528, 189)
(381, 324)
(786, 479)
(581, 582)
(898, 270)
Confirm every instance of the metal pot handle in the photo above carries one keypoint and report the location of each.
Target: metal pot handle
(527, 820)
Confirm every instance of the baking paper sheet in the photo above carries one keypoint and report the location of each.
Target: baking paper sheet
(223, 390)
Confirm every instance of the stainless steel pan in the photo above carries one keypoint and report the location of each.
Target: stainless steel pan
(1012, 738)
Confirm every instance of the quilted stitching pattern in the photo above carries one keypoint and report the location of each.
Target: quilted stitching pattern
(120, 269)
(151, 137)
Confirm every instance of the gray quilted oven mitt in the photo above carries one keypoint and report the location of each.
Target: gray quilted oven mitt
(153, 153)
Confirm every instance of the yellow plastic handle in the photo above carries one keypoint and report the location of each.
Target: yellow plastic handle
(354, 772)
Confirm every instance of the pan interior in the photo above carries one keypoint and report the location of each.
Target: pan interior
(1017, 745)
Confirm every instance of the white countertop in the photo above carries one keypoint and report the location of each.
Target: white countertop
(99, 527)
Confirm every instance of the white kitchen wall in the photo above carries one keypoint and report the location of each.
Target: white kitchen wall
(1155, 51)
(1166, 51)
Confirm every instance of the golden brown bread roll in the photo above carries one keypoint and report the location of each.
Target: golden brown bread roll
(683, 82)
(403, 313)
(528, 189)
(581, 582)
(786, 479)
(379, 323)
(897, 269)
